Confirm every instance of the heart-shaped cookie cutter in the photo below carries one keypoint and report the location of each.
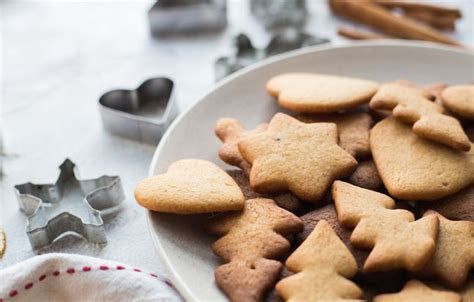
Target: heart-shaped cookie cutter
(142, 114)
(69, 205)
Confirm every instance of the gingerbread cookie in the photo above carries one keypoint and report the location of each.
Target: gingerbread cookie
(460, 100)
(287, 201)
(409, 105)
(3, 243)
(396, 239)
(250, 240)
(454, 255)
(366, 176)
(230, 131)
(328, 213)
(415, 291)
(319, 93)
(353, 129)
(459, 206)
(190, 186)
(322, 265)
(291, 155)
(413, 168)
(468, 291)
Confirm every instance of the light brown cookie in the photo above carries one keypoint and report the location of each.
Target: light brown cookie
(396, 239)
(328, 213)
(435, 91)
(415, 291)
(250, 240)
(454, 255)
(468, 291)
(459, 206)
(319, 93)
(190, 186)
(3, 243)
(230, 131)
(366, 176)
(353, 130)
(290, 155)
(460, 100)
(413, 168)
(409, 105)
(288, 201)
(322, 266)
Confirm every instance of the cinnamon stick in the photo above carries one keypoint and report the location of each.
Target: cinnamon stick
(369, 13)
(439, 22)
(412, 5)
(357, 34)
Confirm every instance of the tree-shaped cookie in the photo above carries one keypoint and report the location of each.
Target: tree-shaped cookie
(291, 155)
(454, 255)
(415, 291)
(230, 131)
(322, 266)
(409, 105)
(250, 240)
(396, 239)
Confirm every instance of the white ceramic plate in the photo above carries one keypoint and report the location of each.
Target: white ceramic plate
(181, 244)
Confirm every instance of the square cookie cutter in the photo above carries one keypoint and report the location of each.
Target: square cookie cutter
(177, 16)
(69, 205)
(142, 114)
(245, 53)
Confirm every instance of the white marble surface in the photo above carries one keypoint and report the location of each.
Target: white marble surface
(59, 57)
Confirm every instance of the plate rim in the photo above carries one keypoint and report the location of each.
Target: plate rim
(180, 286)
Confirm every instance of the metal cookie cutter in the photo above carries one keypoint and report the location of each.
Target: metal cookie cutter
(142, 114)
(246, 53)
(69, 205)
(279, 13)
(174, 16)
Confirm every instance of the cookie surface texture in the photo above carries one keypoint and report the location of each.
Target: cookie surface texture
(460, 100)
(302, 158)
(230, 131)
(415, 291)
(190, 186)
(454, 255)
(366, 176)
(322, 266)
(319, 93)
(288, 201)
(396, 239)
(410, 105)
(413, 168)
(353, 130)
(250, 240)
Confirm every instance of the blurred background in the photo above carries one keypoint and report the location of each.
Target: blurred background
(59, 57)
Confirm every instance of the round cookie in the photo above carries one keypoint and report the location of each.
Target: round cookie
(320, 93)
(460, 100)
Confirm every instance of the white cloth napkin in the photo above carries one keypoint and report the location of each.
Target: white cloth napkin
(69, 277)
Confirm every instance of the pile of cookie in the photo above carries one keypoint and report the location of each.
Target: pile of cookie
(365, 193)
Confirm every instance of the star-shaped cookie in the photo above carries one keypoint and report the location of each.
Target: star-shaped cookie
(454, 255)
(291, 155)
(415, 291)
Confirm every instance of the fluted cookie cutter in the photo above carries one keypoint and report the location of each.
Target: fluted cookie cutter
(142, 114)
(246, 54)
(176, 16)
(69, 205)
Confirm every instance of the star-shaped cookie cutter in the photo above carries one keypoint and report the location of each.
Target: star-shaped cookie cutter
(245, 53)
(69, 205)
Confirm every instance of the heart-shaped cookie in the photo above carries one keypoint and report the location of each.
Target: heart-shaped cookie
(190, 186)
